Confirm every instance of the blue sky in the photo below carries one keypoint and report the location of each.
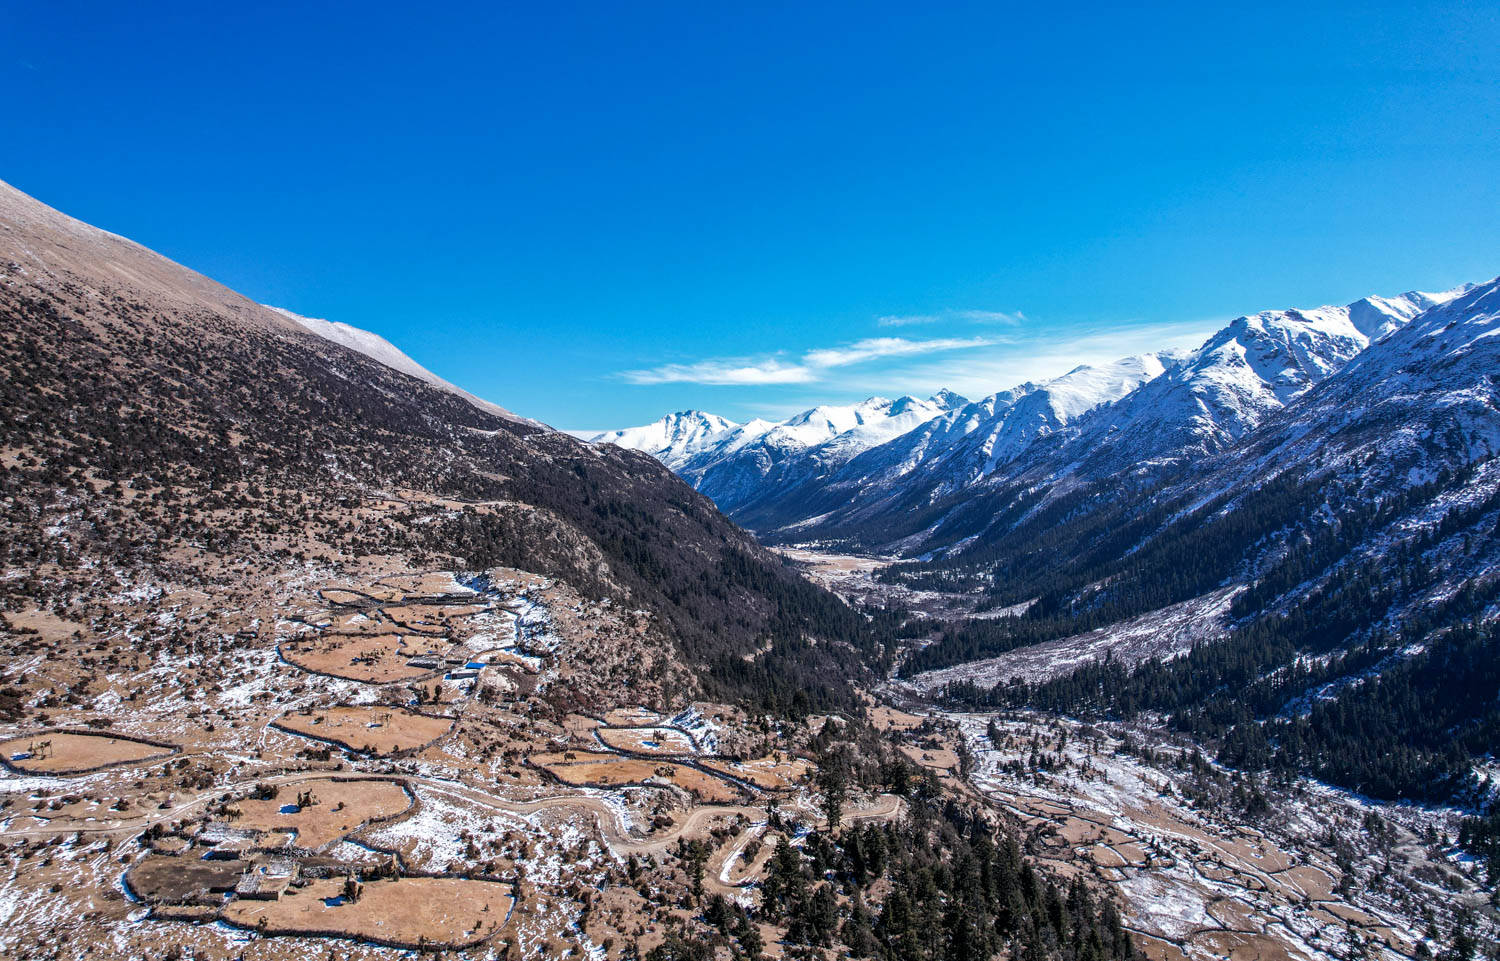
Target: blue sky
(594, 214)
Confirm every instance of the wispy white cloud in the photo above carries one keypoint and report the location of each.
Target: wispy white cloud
(907, 320)
(964, 316)
(722, 373)
(749, 372)
(889, 366)
(991, 316)
(1036, 358)
(876, 347)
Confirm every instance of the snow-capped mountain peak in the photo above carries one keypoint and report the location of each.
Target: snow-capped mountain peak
(948, 400)
(1085, 387)
(972, 441)
(673, 438)
(1377, 316)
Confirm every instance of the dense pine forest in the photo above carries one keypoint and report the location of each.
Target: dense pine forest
(949, 883)
(1400, 714)
(1093, 558)
(1356, 647)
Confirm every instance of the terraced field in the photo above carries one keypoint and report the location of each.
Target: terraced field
(58, 752)
(378, 730)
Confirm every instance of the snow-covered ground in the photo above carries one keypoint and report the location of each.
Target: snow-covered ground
(436, 835)
(1166, 634)
(1190, 872)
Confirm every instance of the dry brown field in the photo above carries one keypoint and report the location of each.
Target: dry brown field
(605, 770)
(446, 912)
(632, 717)
(943, 760)
(705, 787)
(664, 741)
(369, 729)
(342, 806)
(766, 773)
(76, 752)
(48, 626)
(338, 595)
(888, 718)
(609, 770)
(372, 658)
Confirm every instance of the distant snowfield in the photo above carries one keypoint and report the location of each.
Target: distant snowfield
(1165, 634)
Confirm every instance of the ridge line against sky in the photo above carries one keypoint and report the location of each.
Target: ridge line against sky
(978, 372)
(583, 214)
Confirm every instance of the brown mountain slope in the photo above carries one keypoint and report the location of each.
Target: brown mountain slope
(162, 432)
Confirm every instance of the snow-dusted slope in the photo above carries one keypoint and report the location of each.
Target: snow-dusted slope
(1357, 529)
(674, 438)
(379, 349)
(949, 453)
(747, 433)
(1423, 400)
(1249, 369)
(1390, 464)
(979, 439)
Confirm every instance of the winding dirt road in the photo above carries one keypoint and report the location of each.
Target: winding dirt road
(611, 825)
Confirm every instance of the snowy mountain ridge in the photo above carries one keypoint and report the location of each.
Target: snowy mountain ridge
(378, 349)
(673, 439)
(830, 471)
(1249, 369)
(702, 440)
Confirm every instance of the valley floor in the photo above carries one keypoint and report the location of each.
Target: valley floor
(1206, 863)
(1209, 865)
(852, 576)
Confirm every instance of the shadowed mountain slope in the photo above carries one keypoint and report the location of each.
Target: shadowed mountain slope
(160, 427)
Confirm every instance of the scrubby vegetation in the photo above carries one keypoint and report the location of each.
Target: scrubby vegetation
(217, 442)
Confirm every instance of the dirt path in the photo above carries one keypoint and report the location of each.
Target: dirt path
(611, 825)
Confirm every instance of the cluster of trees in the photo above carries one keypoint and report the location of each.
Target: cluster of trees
(1482, 836)
(1083, 565)
(1399, 714)
(945, 882)
(1372, 669)
(957, 889)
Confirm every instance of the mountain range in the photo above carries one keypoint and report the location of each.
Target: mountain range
(1340, 562)
(1285, 542)
(871, 474)
(1307, 506)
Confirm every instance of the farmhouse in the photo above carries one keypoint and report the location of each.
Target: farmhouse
(267, 879)
(226, 842)
(230, 850)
